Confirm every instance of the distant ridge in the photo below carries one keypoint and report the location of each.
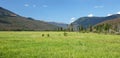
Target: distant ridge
(63, 25)
(86, 21)
(11, 21)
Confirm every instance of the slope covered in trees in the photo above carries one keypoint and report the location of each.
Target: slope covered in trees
(12, 21)
(109, 26)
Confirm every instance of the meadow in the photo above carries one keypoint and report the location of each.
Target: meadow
(75, 45)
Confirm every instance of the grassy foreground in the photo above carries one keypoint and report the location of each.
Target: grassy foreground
(75, 45)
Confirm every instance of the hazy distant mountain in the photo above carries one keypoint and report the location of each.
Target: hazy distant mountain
(12, 21)
(63, 25)
(86, 21)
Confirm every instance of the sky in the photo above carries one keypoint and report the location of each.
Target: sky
(63, 11)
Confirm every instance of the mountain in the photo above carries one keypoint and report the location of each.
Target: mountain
(113, 22)
(63, 25)
(12, 21)
(87, 21)
(110, 26)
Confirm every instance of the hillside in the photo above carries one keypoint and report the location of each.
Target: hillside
(112, 22)
(86, 21)
(109, 26)
(12, 21)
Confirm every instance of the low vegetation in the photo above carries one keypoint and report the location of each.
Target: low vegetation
(56, 45)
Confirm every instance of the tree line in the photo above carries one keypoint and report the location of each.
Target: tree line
(101, 28)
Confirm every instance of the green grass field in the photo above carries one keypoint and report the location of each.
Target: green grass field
(75, 45)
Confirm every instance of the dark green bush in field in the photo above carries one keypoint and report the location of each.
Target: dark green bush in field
(43, 35)
(65, 34)
(48, 35)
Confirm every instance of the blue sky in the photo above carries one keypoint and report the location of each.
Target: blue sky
(64, 11)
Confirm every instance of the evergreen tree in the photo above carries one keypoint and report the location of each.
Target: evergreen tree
(90, 29)
(71, 28)
(81, 28)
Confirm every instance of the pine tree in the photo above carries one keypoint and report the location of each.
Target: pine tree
(90, 29)
(81, 28)
(71, 27)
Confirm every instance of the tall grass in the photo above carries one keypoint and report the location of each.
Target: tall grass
(74, 45)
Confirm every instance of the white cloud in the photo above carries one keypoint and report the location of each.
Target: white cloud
(98, 6)
(118, 12)
(34, 5)
(90, 15)
(26, 5)
(72, 19)
(44, 5)
(109, 14)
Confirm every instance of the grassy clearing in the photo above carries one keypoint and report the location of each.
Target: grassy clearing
(75, 45)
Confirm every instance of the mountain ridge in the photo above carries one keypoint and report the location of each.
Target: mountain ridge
(11, 21)
(86, 21)
(63, 25)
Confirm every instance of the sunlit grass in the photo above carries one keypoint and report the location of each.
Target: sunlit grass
(74, 45)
